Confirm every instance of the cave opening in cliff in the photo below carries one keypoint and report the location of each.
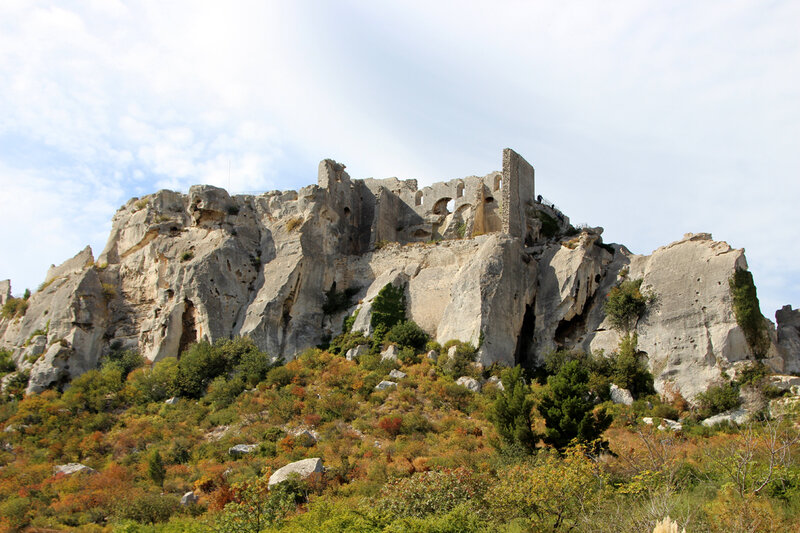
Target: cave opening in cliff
(524, 354)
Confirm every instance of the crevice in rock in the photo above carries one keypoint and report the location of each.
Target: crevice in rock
(524, 354)
(189, 327)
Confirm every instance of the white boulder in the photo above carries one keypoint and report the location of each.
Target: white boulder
(303, 469)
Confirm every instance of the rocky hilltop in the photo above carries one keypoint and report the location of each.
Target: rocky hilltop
(480, 259)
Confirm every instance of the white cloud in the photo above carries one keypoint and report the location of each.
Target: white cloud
(649, 119)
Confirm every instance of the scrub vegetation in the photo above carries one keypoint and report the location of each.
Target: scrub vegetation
(541, 453)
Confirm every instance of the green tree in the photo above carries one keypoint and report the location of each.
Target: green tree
(155, 469)
(567, 408)
(511, 411)
(748, 312)
(629, 370)
(626, 304)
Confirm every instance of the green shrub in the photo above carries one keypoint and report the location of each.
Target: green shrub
(16, 385)
(255, 507)
(14, 308)
(153, 384)
(336, 301)
(626, 304)
(408, 356)
(629, 370)
(388, 307)
(197, 367)
(347, 323)
(222, 392)
(95, 391)
(126, 361)
(718, 399)
(6, 363)
(550, 226)
(187, 256)
(461, 362)
(147, 507)
(431, 493)
(408, 333)
(748, 312)
(753, 374)
(279, 376)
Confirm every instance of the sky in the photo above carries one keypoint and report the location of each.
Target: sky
(651, 119)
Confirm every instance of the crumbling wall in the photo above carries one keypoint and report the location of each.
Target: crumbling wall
(5, 291)
(518, 195)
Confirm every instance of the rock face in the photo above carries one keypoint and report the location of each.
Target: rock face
(480, 259)
(788, 320)
(303, 469)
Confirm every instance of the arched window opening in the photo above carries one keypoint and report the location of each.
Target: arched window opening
(418, 198)
(440, 207)
(498, 183)
(459, 190)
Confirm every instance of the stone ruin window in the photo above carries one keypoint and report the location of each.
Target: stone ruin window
(459, 190)
(498, 183)
(418, 198)
(441, 206)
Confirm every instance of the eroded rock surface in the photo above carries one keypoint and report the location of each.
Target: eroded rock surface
(470, 254)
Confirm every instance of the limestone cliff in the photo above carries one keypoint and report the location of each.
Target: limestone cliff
(481, 259)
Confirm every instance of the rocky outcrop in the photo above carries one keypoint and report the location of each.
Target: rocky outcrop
(472, 256)
(73, 468)
(788, 337)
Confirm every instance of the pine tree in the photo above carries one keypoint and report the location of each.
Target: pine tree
(567, 408)
(511, 411)
(156, 470)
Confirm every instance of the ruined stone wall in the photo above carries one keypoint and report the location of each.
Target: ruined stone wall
(518, 195)
(5, 291)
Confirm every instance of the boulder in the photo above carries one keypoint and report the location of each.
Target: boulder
(672, 425)
(242, 449)
(621, 396)
(172, 401)
(302, 469)
(390, 353)
(433, 355)
(397, 374)
(496, 382)
(190, 498)
(471, 383)
(383, 385)
(305, 437)
(353, 354)
(73, 468)
(734, 416)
